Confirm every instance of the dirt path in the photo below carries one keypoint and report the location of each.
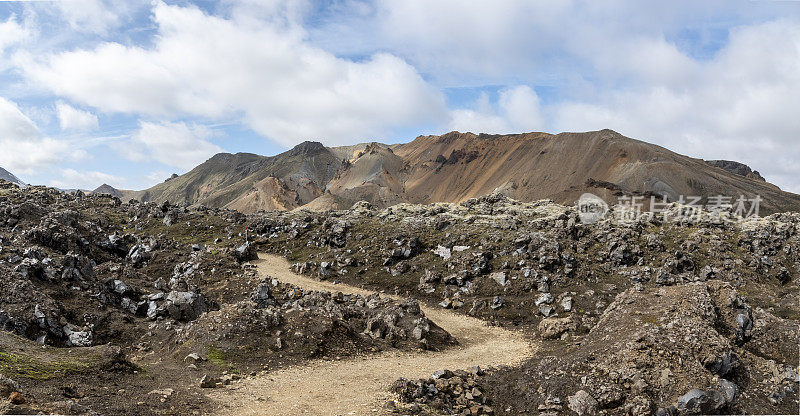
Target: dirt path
(358, 386)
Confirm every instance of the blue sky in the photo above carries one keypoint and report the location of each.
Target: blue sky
(128, 92)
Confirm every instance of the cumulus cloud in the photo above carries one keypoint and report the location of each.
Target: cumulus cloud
(282, 86)
(715, 79)
(93, 16)
(25, 149)
(71, 118)
(173, 144)
(517, 110)
(740, 105)
(11, 33)
(86, 180)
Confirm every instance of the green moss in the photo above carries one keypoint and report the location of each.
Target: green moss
(203, 229)
(217, 356)
(25, 366)
(646, 318)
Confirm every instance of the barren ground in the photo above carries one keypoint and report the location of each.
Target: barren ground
(358, 385)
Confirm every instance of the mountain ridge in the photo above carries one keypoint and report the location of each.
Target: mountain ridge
(456, 166)
(8, 176)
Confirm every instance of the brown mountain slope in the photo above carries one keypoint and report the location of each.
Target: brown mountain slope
(252, 182)
(457, 166)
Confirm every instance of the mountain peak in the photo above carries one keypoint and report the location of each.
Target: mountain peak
(307, 148)
(737, 168)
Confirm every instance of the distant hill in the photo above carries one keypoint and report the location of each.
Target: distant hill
(457, 166)
(110, 190)
(8, 176)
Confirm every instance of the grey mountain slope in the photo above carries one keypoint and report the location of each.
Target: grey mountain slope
(8, 176)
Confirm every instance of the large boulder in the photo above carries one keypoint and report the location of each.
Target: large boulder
(185, 306)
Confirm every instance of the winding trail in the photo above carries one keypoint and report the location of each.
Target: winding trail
(358, 385)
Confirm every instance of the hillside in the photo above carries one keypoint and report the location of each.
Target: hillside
(8, 176)
(456, 166)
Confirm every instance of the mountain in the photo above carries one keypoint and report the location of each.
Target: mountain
(456, 166)
(251, 182)
(110, 190)
(8, 176)
(737, 168)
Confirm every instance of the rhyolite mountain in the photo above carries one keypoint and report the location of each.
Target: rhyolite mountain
(8, 176)
(456, 166)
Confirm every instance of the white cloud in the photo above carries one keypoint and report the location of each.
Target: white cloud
(266, 72)
(740, 105)
(71, 118)
(93, 16)
(86, 180)
(11, 33)
(173, 144)
(517, 110)
(25, 149)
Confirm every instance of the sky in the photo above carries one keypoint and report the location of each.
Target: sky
(127, 92)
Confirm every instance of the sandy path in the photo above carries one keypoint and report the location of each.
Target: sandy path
(358, 386)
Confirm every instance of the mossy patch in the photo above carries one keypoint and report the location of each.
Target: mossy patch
(26, 366)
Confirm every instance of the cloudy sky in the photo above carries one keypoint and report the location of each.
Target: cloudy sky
(127, 92)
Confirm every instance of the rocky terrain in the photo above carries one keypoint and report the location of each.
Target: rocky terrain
(457, 166)
(135, 308)
(127, 307)
(634, 317)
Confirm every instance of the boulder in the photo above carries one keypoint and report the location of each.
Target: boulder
(582, 403)
(550, 328)
(701, 402)
(185, 306)
(245, 252)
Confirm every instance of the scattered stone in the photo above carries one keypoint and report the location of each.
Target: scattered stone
(209, 382)
(499, 277)
(582, 403)
(551, 328)
(16, 398)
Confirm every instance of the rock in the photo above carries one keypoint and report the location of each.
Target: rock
(193, 357)
(475, 370)
(723, 364)
(185, 306)
(546, 310)
(544, 298)
(245, 252)
(119, 287)
(7, 386)
(497, 302)
(582, 403)
(744, 324)
(208, 382)
(165, 393)
(442, 374)
(442, 252)
(16, 398)
(701, 402)
(730, 391)
(551, 328)
(777, 396)
(499, 277)
(263, 294)
(566, 303)
(76, 337)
